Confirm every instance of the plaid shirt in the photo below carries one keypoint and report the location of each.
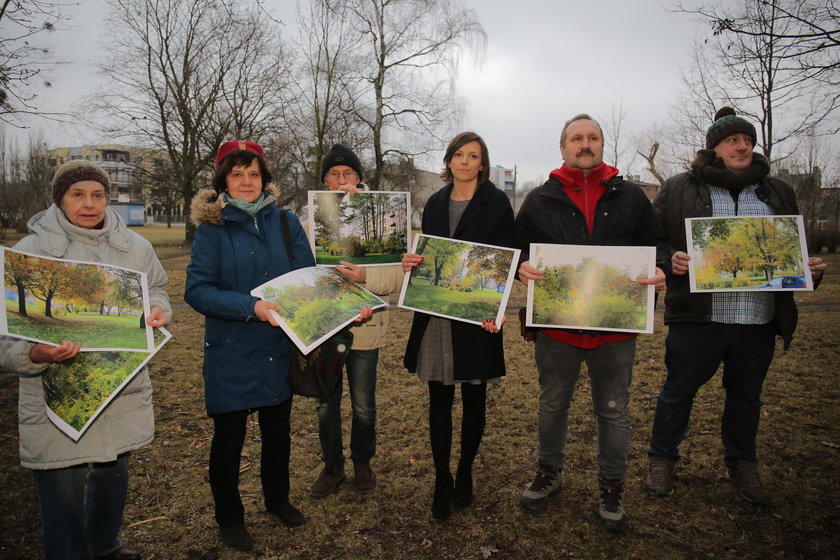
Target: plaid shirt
(741, 308)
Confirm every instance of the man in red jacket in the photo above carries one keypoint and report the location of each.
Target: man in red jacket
(585, 202)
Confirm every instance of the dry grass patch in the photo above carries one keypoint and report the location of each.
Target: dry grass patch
(170, 514)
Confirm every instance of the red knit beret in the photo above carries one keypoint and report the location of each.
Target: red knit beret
(231, 146)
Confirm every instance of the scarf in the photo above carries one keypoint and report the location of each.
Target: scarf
(712, 170)
(250, 208)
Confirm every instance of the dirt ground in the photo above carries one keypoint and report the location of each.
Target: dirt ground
(170, 514)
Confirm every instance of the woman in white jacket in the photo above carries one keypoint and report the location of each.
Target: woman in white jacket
(82, 485)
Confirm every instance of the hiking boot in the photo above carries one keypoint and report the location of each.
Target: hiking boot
(289, 515)
(364, 480)
(745, 476)
(327, 482)
(547, 482)
(236, 537)
(662, 475)
(610, 504)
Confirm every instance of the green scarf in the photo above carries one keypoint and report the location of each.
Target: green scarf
(250, 208)
(712, 170)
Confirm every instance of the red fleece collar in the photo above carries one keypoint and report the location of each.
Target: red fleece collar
(570, 177)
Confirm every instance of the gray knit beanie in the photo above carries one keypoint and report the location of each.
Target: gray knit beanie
(726, 124)
(75, 171)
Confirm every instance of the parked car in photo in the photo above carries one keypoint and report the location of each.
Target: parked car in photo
(789, 281)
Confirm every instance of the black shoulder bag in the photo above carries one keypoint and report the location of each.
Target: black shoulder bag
(316, 374)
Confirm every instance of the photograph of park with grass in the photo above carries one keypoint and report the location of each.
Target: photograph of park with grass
(592, 287)
(766, 253)
(76, 391)
(460, 280)
(367, 228)
(315, 303)
(49, 300)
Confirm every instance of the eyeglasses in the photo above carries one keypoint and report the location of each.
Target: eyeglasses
(346, 174)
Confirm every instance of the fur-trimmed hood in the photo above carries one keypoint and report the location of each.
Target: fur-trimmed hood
(207, 207)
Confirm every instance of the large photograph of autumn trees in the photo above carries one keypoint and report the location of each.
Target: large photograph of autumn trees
(460, 280)
(315, 303)
(592, 287)
(49, 300)
(76, 391)
(367, 228)
(765, 253)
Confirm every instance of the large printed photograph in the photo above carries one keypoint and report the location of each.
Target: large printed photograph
(761, 253)
(315, 303)
(78, 390)
(592, 288)
(460, 280)
(48, 300)
(367, 228)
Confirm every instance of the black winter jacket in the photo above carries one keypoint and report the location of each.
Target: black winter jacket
(487, 219)
(687, 196)
(623, 216)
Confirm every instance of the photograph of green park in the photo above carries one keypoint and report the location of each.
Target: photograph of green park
(76, 391)
(49, 300)
(460, 280)
(366, 228)
(592, 288)
(315, 303)
(764, 253)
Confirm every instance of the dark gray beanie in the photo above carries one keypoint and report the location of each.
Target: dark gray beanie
(75, 171)
(726, 124)
(340, 155)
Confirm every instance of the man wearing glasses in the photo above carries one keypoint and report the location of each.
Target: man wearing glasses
(342, 170)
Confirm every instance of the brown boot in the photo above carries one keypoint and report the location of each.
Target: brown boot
(364, 480)
(327, 482)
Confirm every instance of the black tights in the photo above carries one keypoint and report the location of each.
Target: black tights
(440, 424)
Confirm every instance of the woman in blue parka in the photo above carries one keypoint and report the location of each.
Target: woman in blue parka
(238, 246)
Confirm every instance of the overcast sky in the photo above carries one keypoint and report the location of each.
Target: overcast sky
(546, 60)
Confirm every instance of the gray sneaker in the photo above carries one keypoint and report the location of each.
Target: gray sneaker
(662, 475)
(746, 479)
(547, 482)
(611, 504)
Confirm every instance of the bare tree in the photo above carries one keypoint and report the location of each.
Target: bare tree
(320, 102)
(806, 34)
(613, 126)
(22, 58)
(752, 71)
(186, 74)
(411, 49)
(25, 181)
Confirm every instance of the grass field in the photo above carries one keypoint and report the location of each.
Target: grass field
(170, 514)
(91, 329)
(323, 257)
(477, 305)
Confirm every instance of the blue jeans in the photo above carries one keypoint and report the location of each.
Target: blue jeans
(693, 353)
(80, 522)
(361, 377)
(610, 372)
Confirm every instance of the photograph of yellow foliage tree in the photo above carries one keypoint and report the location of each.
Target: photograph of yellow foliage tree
(747, 253)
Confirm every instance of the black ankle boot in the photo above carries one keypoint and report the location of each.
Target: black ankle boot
(463, 495)
(442, 503)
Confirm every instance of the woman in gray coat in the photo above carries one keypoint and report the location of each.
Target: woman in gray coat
(82, 485)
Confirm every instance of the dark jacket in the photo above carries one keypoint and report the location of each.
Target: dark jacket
(245, 360)
(687, 196)
(623, 216)
(487, 219)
